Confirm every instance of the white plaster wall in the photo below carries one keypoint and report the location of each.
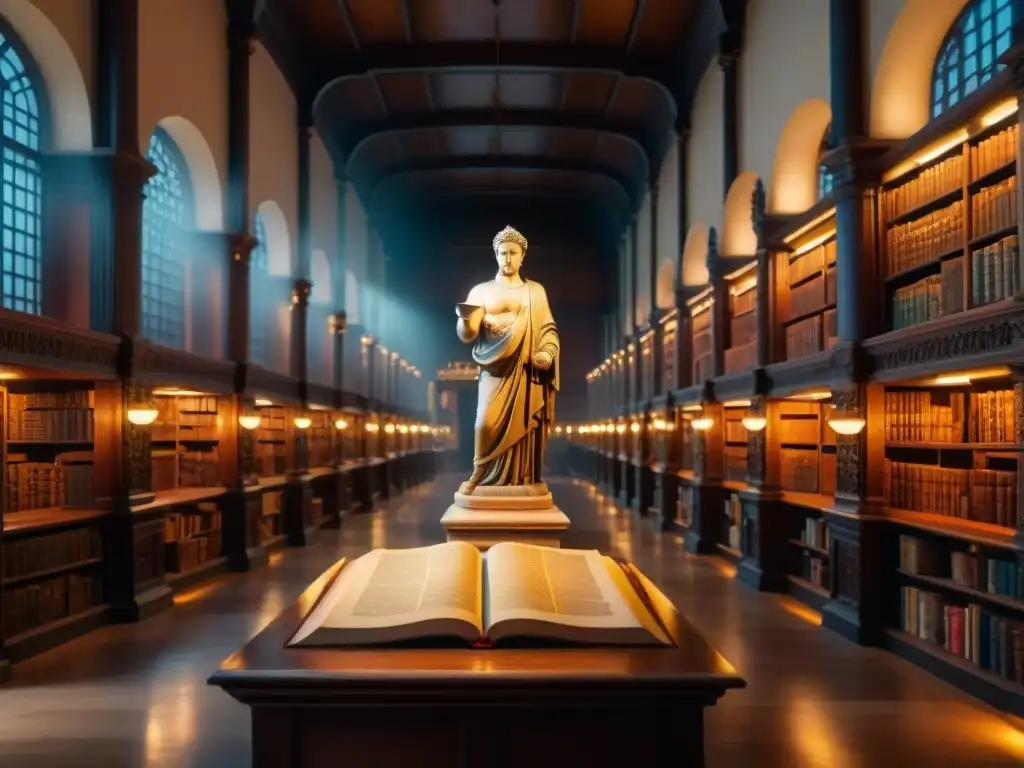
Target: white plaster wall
(705, 190)
(669, 241)
(75, 21)
(273, 141)
(323, 202)
(183, 70)
(357, 243)
(785, 61)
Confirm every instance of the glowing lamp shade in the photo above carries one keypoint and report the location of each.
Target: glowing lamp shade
(702, 424)
(404, 429)
(389, 429)
(754, 423)
(340, 424)
(620, 428)
(659, 425)
(142, 416)
(634, 427)
(303, 422)
(847, 425)
(249, 422)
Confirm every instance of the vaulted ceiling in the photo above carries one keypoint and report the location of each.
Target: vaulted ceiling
(430, 104)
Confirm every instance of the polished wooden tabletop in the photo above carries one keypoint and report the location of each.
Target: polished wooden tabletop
(693, 664)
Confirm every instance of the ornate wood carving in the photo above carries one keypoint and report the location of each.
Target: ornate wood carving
(846, 574)
(1018, 406)
(247, 449)
(33, 340)
(157, 363)
(148, 552)
(848, 465)
(954, 344)
(138, 452)
(756, 445)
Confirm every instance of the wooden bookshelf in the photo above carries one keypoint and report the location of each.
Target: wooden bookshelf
(352, 436)
(808, 458)
(951, 228)
(193, 536)
(272, 439)
(807, 290)
(702, 345)
(320, 438)
(185, 439)
(736, 442)
(648, 377)
(669, 350)
(741, 349)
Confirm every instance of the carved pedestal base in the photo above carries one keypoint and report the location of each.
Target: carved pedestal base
(493, 514)
(855, 608)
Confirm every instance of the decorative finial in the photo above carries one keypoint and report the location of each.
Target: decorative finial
(509, 235)
(712, 256)
(757, 211)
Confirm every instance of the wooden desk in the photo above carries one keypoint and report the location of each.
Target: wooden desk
(453, 708)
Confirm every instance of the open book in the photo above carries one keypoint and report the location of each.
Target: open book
(512, 590)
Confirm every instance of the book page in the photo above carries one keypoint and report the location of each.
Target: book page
(568, 587)
(397, 587)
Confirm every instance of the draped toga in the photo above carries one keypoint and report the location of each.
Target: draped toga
(516, 400)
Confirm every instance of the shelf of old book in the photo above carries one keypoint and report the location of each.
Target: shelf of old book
(700, 327)
(669, 352)
(741, 350)
(645, 360)
(271, 438)
(950, 220)
(319, 438)
(736, 440)
(807, 289)
(52, 563)
(184, 440)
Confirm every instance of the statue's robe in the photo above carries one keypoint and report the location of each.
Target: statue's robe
(517, 400)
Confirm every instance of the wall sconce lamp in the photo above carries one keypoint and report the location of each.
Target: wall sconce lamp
(389, 429)
(703, 424)
(847, 425)
(142, 416)
(659, 425)
(403, 429)
(634, 427)
(302, 422)
(754, 423)
(620, 428)
(249, 421)
(340, 424)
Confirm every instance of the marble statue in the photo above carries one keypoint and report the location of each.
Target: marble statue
(515, 343)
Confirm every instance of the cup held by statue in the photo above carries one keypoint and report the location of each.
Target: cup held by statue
(469, 312)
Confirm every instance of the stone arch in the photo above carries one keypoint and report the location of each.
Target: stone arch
(695, 255)
(279, 244)
(351, 297)
(202, 168)
(67, 98)
(320, 272)
(666, 293)
(738, 236)
(901, 91)
(794, 182)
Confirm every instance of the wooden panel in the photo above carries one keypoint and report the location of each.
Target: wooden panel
(537, 20)
(377, 21)
(462, 90)
(636, 99)
(439, 21)
(663, 25)
(588, 93)
(605, 21)
(405, 93)
(531, 90)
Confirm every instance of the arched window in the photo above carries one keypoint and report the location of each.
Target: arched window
(167, 217)
(22, 217)
(257, 279)
(969, 55)
(826, 178)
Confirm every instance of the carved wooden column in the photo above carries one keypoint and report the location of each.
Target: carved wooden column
(633, 343)
(298, 493)
(728, 60)
(717, 270)
(708, 527)
(765, 279)
(856, 525)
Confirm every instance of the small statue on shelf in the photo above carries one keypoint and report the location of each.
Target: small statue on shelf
(516, 347)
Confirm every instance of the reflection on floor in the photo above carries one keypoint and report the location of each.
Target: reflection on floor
(135, 695)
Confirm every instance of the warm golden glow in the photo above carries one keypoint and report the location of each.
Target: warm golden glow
(811, 225)
(952, 381)
(373, 427)
(659, 425)
(800, 611)
(262, 401)
(620, 428)
(847, 425)
(754, 423)
(693, 408)
(736, 404)
(175, 392)
(340, 424)
(303, 422)
(741, 288)
(702, 424)
(249, 421)
(938, 151)
(389, 429)
(8, 375)
(810, 396)
(999, 113)
(142, 416)
(404, 429)
(634, 428)
(810, 245)
(568, 430)
(705, 294)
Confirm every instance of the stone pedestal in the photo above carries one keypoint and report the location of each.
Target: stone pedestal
(493, 514)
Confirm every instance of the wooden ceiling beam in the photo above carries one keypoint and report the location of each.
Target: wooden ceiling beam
(480, 56)
(648, 134)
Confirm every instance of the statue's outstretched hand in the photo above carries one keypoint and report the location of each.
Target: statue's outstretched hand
(543, 360)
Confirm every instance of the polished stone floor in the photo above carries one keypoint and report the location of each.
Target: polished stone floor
(136, 695)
